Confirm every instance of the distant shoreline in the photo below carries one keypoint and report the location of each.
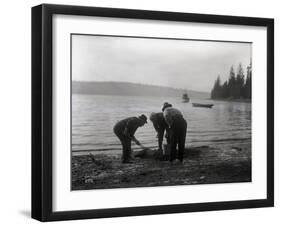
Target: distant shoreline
(132, 89)
(233, 100)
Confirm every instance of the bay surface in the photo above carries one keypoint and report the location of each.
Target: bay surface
(93, 118)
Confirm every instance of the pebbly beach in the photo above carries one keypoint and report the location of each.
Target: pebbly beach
(208, 164)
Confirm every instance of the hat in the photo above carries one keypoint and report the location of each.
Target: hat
(143, 118)
(166, 105)
(152, 116)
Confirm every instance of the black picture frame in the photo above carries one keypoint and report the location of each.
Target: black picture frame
(42, 107)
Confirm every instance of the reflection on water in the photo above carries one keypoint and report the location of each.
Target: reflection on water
(94, 116)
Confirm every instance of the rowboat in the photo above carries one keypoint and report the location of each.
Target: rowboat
(202, 105)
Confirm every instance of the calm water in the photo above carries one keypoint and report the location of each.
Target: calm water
(94, 116)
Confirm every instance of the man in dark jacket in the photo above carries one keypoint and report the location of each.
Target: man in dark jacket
(160, 126)
(125, 130)
(177, 131)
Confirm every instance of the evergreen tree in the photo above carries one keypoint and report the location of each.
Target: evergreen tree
(248, 84)
(239, 84)
(236, 87)
(225, 90)
(232, 83)
(216, 91)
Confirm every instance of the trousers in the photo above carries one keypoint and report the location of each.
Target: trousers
(177, 134)
(126, 145)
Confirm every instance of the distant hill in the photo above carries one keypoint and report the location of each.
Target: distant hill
(131, 89)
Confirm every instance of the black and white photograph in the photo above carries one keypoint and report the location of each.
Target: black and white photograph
(149, 111)
(145, 112)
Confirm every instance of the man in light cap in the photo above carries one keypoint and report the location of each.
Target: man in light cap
(125, 130)
(160, 126)
(177, 130)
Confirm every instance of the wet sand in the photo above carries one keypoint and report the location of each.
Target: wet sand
(201, 165)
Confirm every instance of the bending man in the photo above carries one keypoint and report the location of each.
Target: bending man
(177, 131)
(160, 126)
(125, 130)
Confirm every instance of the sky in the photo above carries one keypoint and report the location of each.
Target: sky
(185, 64)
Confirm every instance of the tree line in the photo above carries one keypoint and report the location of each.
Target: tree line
(236, 87)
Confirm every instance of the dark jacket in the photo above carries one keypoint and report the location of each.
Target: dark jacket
(127, 127)
(159, 123)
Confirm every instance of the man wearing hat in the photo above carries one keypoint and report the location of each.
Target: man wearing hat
(177, 130)
(125, 130)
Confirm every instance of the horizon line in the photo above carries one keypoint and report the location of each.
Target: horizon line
(184, 89)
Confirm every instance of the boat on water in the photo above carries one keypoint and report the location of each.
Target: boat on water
(185, 98)
(202, 105)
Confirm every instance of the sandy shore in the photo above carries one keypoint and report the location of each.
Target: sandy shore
(202, 165)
